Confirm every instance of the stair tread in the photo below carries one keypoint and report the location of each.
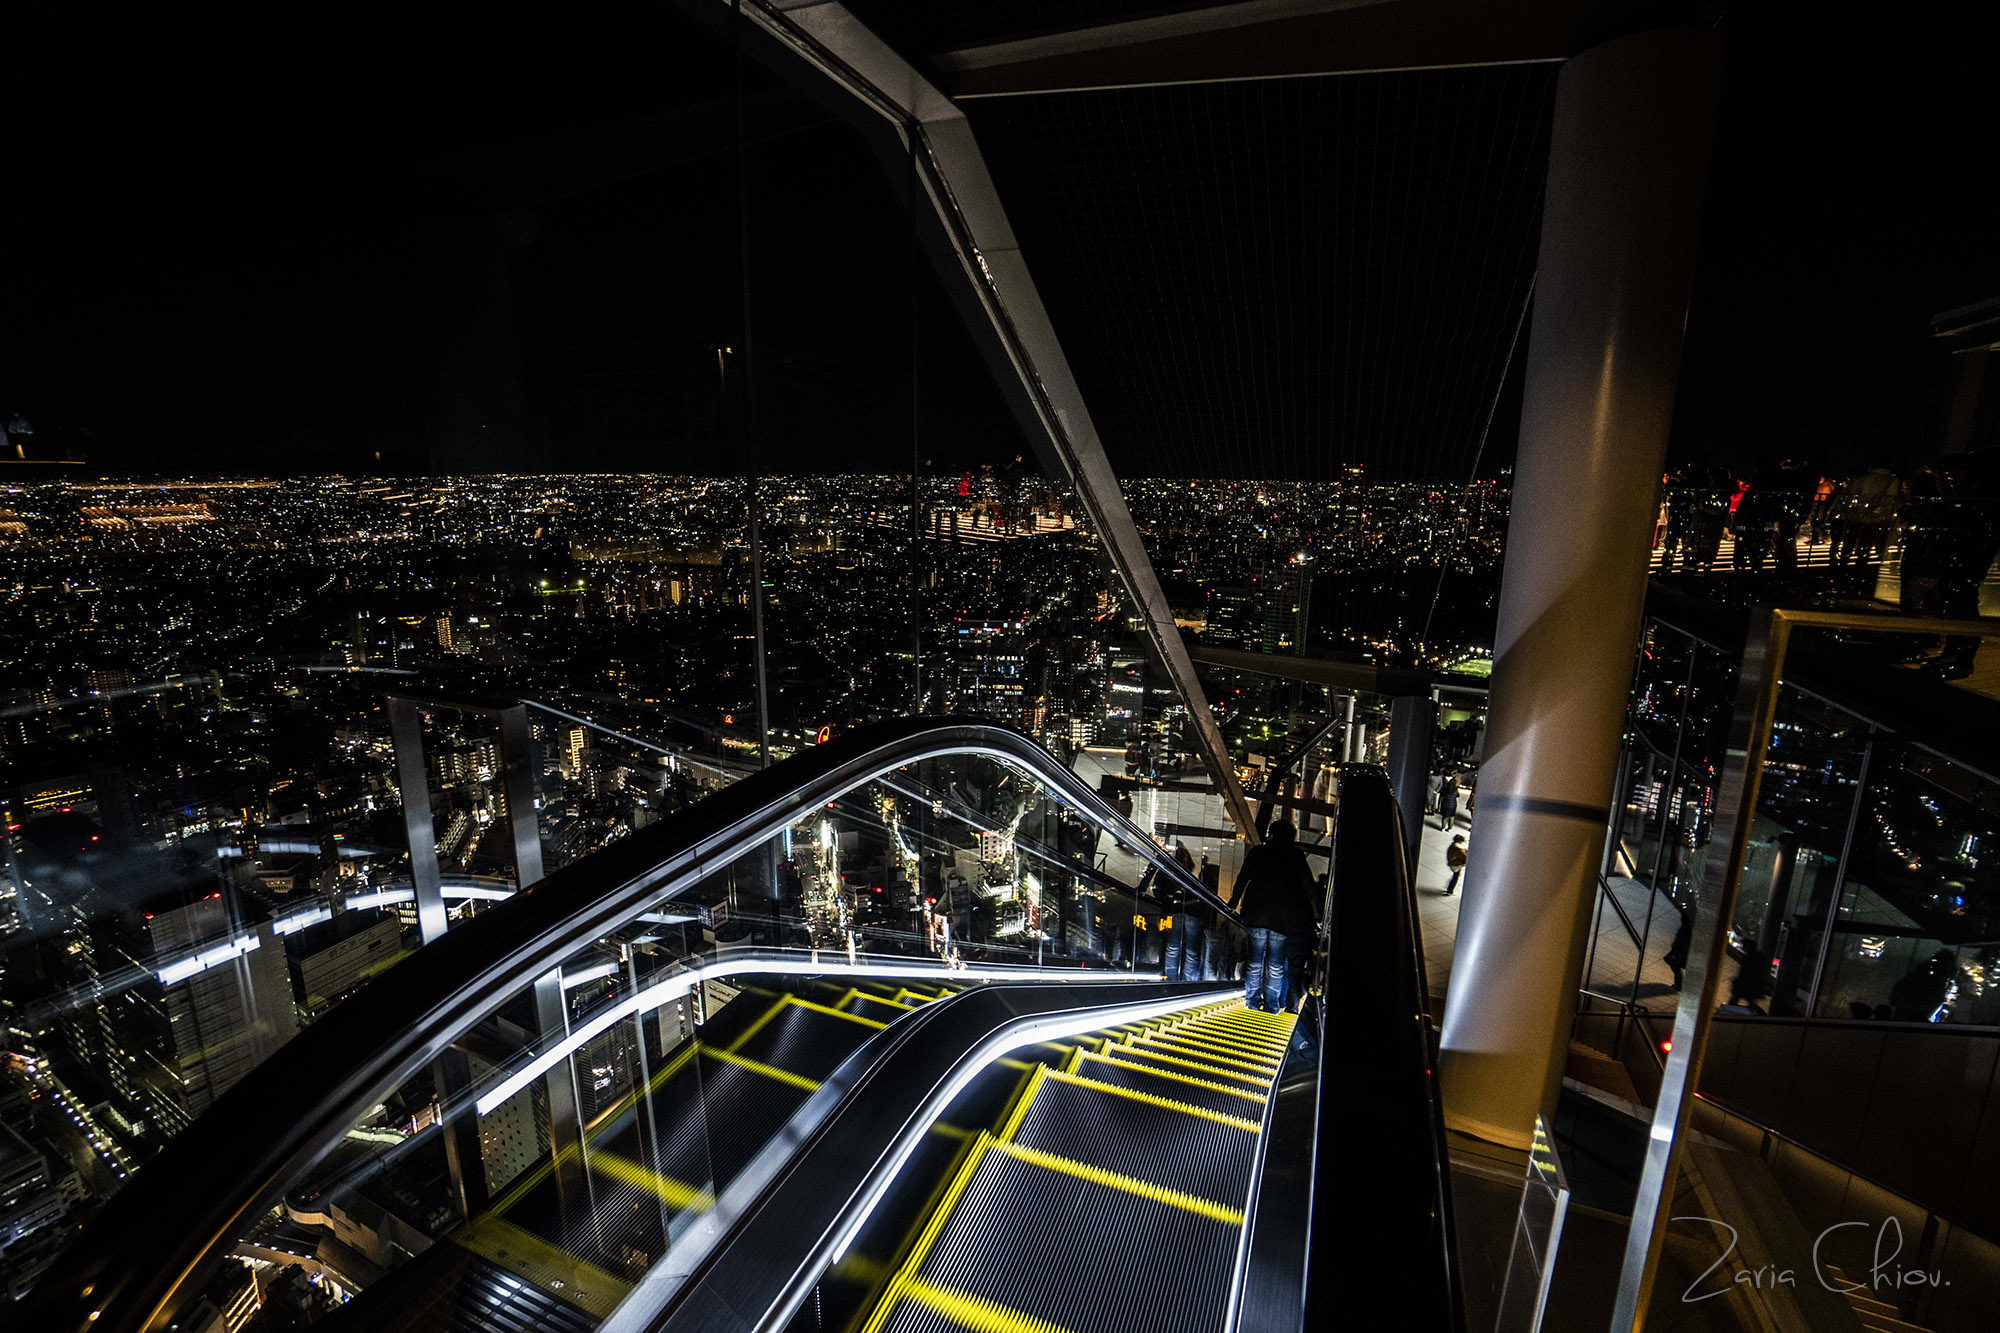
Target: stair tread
(1001, 1245)
(1205, 1158)
(1232, 1102)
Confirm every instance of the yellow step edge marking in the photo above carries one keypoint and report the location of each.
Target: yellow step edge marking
(1224, 1041)
(818, 1008)
(1022, 1100)
(974, 1312)
(1220, 1055)
(762, 1019)
(906, 1275)
(666, 1071)
(1177, 1048)
(1117, 1057)
(1279, 1039)
(768, 1071)
(1133, 1094)
(1239, 1033)
(528, 1256)
(1244, 1024)
(1216, 1070)
(530, 1181)
(1168, 1073)
(676, 1194)
(1144, 1189)
(1228, 1021)
(856, 993)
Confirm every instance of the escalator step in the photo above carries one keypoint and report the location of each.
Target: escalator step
(1190, 1091)
(1193, 1154)
(1187, 1064)
(1261, 1068)
(1026, 1247)
(734, 1111)
(1251, 1020)
(804, 1040)
(1228, 1043)
(1217, 1032)
(868, 1006)
(1268, 1037)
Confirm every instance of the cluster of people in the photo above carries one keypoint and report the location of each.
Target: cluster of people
(1943, 514)
(1443, 793)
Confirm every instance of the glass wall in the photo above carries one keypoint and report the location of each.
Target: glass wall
(1863, 894)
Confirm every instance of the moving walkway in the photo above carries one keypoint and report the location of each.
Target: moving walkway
(940, 1102)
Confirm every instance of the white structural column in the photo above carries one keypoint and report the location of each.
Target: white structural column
(1627, 163)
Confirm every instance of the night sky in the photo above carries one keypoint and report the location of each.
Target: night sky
(508, 251)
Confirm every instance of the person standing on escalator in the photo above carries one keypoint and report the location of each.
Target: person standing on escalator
(1187, 934)
(1274, 890)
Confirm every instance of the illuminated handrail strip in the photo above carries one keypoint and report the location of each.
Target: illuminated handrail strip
(665, 992)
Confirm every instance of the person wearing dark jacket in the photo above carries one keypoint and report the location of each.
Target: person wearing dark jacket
(1186, 955)
(1274, 890)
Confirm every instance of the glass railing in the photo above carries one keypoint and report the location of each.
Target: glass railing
(1862, 890)
(1832, 835)
(572, 1131)
(1538, 1228)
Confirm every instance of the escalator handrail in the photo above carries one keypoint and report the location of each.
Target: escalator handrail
(1269, 1291)
(148, 1249)
(891, 1090)
(1381, 1178)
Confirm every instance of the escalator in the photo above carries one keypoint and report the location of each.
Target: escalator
(1138, 1145)
(970, 1107)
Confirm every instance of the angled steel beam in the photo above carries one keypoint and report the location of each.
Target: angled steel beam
(1267, 39)
(953, 176)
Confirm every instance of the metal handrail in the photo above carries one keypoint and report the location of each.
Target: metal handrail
(1604, 887)
(146, 1253)
(1378, 1029)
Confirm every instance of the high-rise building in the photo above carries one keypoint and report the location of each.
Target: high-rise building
(35, 1195)
(1286, 597)
(223, 1017)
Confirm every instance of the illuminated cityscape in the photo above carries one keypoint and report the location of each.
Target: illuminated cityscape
(884, 666)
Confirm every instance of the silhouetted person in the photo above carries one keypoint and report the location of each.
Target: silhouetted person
(1708, 522)
(1448, 801)
(1299, 941)
(1676, 956)
(1791, 490)
(1187, 957)
(1753, 523)
(1864, 520)
(1921, 993)
(1454, 861)
(1274, 890)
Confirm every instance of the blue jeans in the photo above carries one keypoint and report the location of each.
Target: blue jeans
(1187, 959)
(1264, 974)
